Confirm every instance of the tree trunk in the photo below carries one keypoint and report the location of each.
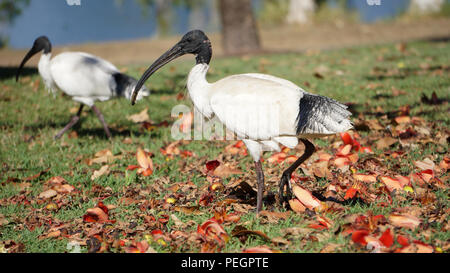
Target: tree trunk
(239, 30)
(300, 11)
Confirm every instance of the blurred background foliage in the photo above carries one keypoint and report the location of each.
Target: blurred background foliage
(169, 17)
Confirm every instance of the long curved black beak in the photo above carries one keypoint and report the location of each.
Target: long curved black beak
(34, 50)
(167, 57)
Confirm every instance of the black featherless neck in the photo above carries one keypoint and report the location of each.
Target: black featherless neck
(205, 53)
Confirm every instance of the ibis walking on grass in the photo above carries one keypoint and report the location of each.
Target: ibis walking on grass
(84, 77)
(263, 110)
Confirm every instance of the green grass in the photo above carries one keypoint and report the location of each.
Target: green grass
(363, 76)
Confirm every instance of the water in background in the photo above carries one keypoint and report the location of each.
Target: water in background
(99, 20)
(106, 20)
(386, 9)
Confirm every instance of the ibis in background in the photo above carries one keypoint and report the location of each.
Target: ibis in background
(82, 76)
(263, 110)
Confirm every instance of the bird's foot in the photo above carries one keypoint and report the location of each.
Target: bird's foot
(284, 187)
(72, 122)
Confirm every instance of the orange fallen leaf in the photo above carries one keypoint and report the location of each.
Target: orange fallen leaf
(425, 164)
(211, 229)
(391, 183)
(143, 159)
(277, 158)
(350, 193)
(296, 205)
(139, 247)
(317, 226)
(368, 178)
(426, 175)
(403, 180)
(47, 194)
(324, 221)
(402, 240)
(422, 247)
(353, 157)
(145, 163)
(306, 198)
(186, 153)
(225, 171)
(406, 221)
(101, 157)
(346, 138)
(276, 215)
(341, 162)
(140, 117)
(171, 149)
(402, 119)
(54, 234)
(291, 159)
(416, 247)
(358, 236)
(237, 148)
(102, 171)
(66, 188)
(386, 142)
(387, 238)
(258, 249)
(320, 169)
(349, 140)
(344, 150)
(445, 163)
(132, 167)
(95, 215)
(56, 180)
(324, 156)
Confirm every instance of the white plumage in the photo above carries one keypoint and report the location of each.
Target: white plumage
(84, 77)
(263, 110)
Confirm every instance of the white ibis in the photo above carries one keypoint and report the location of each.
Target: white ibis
(263, 110)
(84, 77)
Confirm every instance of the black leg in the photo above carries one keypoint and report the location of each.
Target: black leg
(284, 183)
(102, 120)
(71, 123)
(260, 181)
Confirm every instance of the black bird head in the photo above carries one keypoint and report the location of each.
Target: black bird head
(41, 43)
(194, 42)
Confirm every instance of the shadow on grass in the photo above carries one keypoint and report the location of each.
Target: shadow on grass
(348, 202)
(445, 39)
(100, 133)
(9, 72)
(403, 73)
(83, 132)
(357, 109)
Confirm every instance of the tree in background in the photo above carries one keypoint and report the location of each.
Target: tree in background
(164, 12)
(10, 9)
(239, 30)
